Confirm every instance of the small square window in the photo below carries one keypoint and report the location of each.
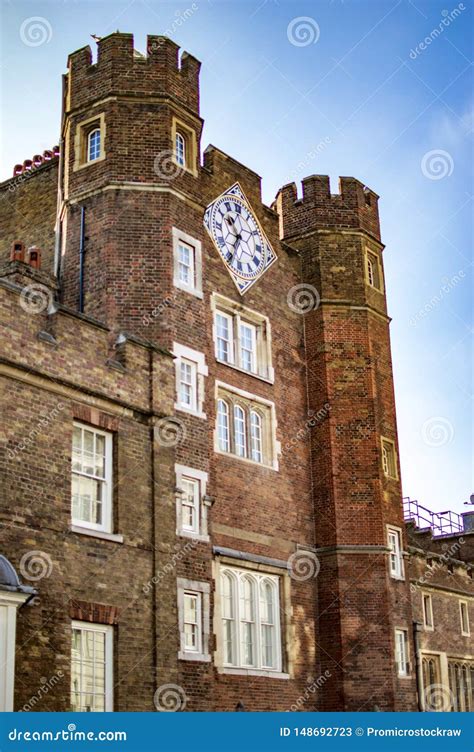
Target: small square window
(187, 266)
(389, 464)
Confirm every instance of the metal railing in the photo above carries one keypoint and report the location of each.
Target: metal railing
(441, 523)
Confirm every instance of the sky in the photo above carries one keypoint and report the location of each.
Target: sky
(376, 89)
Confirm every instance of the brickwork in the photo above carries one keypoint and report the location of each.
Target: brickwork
(326, 498)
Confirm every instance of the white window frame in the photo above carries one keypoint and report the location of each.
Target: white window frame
(388, 457)
(10, 602)
(92, 133)
(200, 477)
(202, 591)
(199, 371)
(403, 670)
(395, 556)
(190, 267)
(230, 342)
(240, 431)
(427, 608)
(180, 149)
(465, 605)
(271, 447)
(223, 441)
(256, 441)
(106, 526)
(258, 577)
(182, 238)
(252, 351)
(187, 367)
(108, 631)
(262, 339)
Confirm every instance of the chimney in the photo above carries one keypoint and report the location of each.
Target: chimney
(17, 252)
(34, 257)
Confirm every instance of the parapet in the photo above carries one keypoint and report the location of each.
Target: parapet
(37, 161)
(121, 70)
(354, 207)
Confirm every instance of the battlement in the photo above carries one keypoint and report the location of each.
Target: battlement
(354, 207)
(121, 70)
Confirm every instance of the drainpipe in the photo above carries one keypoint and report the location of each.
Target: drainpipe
(81, 260)
(417, 628)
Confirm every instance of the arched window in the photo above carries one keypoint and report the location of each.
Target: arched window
(180, 149)
(223, 425)
(247, 620)
(228, 617)
(256, 436)
(267, 623)
(239, 432)
(93, 145)
(370, 272)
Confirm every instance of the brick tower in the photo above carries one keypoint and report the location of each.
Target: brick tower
(354, 453)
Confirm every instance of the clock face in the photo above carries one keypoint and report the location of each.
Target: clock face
(238, 237)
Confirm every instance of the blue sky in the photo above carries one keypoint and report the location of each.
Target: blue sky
(328, 87)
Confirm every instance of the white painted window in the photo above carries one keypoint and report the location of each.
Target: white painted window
(242, 337)
(93, 145)
(256, 436)
(224, 337)
(464, 614)
(190, 504)
(250, 619)
(248, 347)
(401, 652)
(91, 478)
(427, 612)
(223, 425)
(191, 371)
(240, 434)
(192, 622)
(193, 617)
(187, 263)
(180, 149)
(91, 667)
(188, 384)
(395, 557)
(389, 464)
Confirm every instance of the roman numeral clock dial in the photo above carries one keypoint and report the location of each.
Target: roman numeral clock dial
(238, 237)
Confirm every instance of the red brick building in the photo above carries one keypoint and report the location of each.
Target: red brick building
(202, 505)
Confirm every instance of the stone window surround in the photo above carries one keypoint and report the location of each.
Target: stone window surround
(390, 444)
(204, 504)
(464, 603)
(189, 135)
(83, 128)
(374, 254)
(286, 630)
(398, 531)
(183, 237)
(427, 600)
(182, 352)
(204, 590)
(271, 447)
(220, 303)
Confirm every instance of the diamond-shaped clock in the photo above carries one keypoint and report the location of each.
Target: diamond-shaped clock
(238, 237)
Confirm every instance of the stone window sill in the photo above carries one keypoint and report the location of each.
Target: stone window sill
(113, 537)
